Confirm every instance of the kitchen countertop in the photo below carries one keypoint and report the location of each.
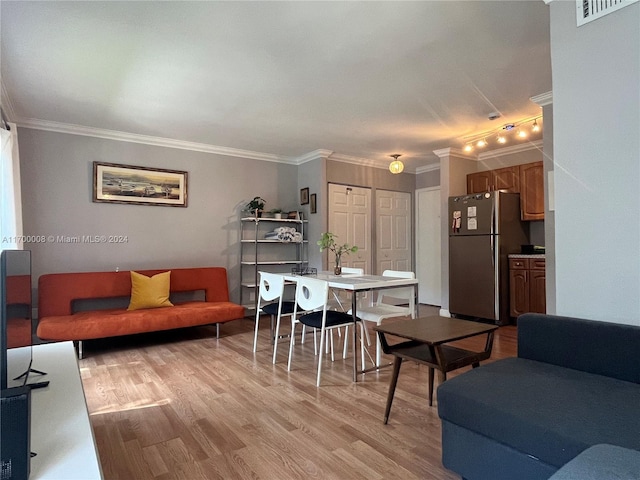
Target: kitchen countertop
(526, 255)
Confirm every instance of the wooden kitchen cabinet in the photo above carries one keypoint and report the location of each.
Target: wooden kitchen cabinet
(479, 182)
(527, 286)
(507, 178)
(527, 179)
(532, 191)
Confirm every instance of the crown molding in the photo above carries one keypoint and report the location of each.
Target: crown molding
(314, 155)
(428, 168)
(543, 99)
(455, 152)
(7, 105)
(548, 1)
(147, 140)
(339, 157)
(500, 152)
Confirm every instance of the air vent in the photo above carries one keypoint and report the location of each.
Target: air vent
(590, 10)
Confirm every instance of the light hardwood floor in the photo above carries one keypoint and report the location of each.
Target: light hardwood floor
(185, 405)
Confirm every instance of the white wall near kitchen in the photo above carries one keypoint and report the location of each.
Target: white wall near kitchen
(596, 100)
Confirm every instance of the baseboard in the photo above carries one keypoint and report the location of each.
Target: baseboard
(445, 313)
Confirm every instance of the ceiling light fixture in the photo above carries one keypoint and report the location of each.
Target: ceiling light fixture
(536, 127)
(501, 136)
(396, 166)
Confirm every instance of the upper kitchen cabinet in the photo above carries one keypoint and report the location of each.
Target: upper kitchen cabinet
(532, 191)
(479, 182)
(527, 179)
(507, 178)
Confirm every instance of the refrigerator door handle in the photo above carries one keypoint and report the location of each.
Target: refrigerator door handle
(493, 250)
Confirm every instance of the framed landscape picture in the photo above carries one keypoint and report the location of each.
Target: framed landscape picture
(115, 183)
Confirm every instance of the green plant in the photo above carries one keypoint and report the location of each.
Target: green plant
(276, 210)
(255, 205)
(328, 241)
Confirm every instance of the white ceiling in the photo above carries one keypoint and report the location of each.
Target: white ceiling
(361, 79)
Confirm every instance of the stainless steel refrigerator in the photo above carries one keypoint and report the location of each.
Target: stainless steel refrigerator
(483, 230)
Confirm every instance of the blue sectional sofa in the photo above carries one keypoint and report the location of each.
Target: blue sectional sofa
(574, 384)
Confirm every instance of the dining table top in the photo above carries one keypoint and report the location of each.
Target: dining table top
(357, 282)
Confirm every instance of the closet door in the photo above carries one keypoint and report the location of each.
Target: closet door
(350, 220)
(393, 227)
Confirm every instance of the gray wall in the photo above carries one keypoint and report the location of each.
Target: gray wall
(596, 150)
(57, 200)
(361, 176)
(312, 175)
(428, 179)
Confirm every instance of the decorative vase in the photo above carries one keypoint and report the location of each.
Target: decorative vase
(277, 216)
(337, 270)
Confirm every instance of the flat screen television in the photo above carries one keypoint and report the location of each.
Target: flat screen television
(15, 326)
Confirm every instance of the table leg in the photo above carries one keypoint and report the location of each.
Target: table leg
(392, 387)
(430, 386)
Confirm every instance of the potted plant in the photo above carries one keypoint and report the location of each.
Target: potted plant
(256, 206)
(276, 212)
(328, 241)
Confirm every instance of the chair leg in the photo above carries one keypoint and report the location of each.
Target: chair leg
(291, 342)
(255, 335)
(345, 342)
(322, 336)
(332, 356)
(378, 351)
(276, 337)
(362, 335)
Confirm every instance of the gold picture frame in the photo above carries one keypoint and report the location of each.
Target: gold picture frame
(115, 183)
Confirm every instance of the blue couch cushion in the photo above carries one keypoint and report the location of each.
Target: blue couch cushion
(602, 462)
(605, 348)
(549, 412)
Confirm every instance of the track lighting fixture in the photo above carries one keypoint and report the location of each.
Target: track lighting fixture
(501, 136)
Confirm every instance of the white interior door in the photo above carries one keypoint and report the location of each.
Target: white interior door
(350, 220)
(393, 227)
(428, 251)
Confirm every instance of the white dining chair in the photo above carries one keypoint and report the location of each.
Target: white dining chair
(271, 289)
(382, 310)
(312, 296)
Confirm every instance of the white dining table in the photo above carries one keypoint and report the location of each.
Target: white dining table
(356, 283)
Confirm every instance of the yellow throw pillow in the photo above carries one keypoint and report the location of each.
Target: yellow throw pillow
(149, 292)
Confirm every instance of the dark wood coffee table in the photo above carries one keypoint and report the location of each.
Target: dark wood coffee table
(426, 337)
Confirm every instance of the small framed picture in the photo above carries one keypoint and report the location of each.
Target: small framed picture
(304, 196)
(312, 203)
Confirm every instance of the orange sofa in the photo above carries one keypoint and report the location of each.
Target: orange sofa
(60, 296)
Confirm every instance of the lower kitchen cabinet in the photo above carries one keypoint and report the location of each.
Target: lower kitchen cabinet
(527, 286)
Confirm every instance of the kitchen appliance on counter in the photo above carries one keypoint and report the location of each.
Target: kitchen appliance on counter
(484, 229)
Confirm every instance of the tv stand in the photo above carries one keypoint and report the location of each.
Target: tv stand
(61, 432)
